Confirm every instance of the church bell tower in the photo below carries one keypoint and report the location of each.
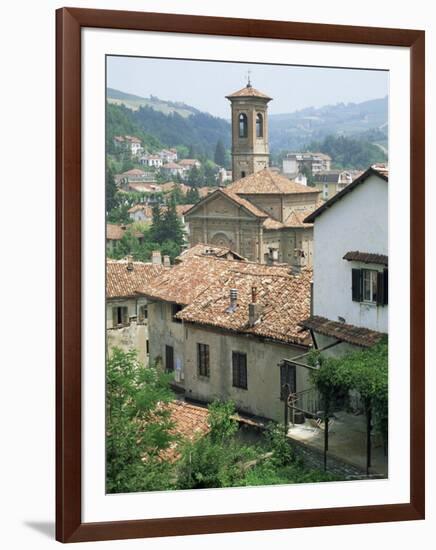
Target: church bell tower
(250, 149)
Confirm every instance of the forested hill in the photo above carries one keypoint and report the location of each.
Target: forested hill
(198, 132)
(367, 120)
(162, 123)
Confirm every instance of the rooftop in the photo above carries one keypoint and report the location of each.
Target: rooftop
(366, 257)
(358, 336)
(116, 232)
(122, 282)
(282, 298)
(248, 91)
(268, 182)
(209, 250)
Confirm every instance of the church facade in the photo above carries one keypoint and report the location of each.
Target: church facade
(260, 215)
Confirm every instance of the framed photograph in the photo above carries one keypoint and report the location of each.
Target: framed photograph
(240, 275)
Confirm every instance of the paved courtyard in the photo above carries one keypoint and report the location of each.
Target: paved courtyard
(347, 441)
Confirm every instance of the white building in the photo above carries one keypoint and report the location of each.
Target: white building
(293, 163)
(152, 160)
(168, 155)
(350, 280)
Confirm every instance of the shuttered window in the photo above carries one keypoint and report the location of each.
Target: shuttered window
(369, 285)
(120, 316)
(239, 366)
(203, 360)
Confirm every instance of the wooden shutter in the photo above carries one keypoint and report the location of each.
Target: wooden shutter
(169, 358)
(114, 317)
(382, 288)
(356, 285)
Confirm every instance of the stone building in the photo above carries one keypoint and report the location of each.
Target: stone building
(126, 310)
(250, 149)
(260, 215)
(224, 325)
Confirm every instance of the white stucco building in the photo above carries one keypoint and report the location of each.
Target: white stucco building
(350, 268)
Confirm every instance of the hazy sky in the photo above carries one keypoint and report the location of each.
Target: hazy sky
(204, 84)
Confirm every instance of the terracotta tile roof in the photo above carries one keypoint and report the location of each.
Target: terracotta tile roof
(268, 182)
(190, 422)
(366, 257)
(351, 334)
(138, 207)
(170, 185)
(208, 250)
(248, 91)
(133, 172)
(122, 282)
(358, 181)
(283, 299)
(272, 224)
(172, 165)
(144, 187)
(116, 232)
(183, 282)
(243, 202)
(188, 162)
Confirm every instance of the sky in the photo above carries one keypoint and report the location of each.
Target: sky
(204, 84)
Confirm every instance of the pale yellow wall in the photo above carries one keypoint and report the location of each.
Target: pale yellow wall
(262, 397)
(134, 335)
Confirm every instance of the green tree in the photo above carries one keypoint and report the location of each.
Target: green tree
(139, 428)
(220, 153)
(192, 196)
(111, 190)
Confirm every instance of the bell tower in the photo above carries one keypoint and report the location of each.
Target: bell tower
(250, 149)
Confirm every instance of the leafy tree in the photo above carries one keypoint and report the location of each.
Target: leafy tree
(139, 429)
(195, 177)
(192, 196)
(220, 153)
(111, 190)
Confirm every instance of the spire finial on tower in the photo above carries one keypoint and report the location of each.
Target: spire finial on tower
(248, 79)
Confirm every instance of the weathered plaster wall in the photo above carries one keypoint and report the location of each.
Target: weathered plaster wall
(262, 397)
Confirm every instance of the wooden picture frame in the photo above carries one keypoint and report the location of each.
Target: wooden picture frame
(69, 526)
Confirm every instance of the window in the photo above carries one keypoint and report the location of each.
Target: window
(259, 125)
(239, 364)
(175, 308)
(243, 125)
(243, 174)
(120, 316)
(370, 285)
(203, 360)
(169, 358)
(147, 347)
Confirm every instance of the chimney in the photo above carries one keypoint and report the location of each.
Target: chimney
(166, 261)
(129, 263)
(255, 309)
(156, 257)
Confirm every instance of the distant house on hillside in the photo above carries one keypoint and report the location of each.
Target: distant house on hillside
(114, 234)
(295, 163)
(168, 155)
(133, 176)
(330, 182)
(131, 143)
(173, 169)
(154, 161)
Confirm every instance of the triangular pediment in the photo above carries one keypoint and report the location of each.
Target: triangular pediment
(222, 205)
